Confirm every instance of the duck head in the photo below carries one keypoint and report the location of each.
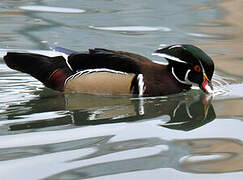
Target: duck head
(189, 65)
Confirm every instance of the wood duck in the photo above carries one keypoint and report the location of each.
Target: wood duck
(103, 71)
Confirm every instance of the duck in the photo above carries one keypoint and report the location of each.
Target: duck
(114, 72)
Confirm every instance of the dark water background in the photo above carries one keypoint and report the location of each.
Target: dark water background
(50, 135)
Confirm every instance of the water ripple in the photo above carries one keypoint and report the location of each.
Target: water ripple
(220, 85)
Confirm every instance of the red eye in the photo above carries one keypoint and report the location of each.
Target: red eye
(197, 68)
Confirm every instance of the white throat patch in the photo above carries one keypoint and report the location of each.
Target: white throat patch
(186, 80)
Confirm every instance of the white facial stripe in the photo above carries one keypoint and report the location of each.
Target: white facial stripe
(175, 46)
(173, 58)
(186, 77)
(183, 82)
(187, 80)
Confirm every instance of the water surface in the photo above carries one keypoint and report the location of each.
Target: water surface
(50, 135)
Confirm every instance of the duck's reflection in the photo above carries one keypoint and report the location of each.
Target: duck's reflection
(191, 113)
(180, 112)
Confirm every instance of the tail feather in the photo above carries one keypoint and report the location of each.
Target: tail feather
(51, 71)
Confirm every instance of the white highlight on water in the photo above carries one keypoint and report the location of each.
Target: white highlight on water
(132, 28)
(51, 9)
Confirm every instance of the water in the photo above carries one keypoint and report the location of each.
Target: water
(50, 135)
